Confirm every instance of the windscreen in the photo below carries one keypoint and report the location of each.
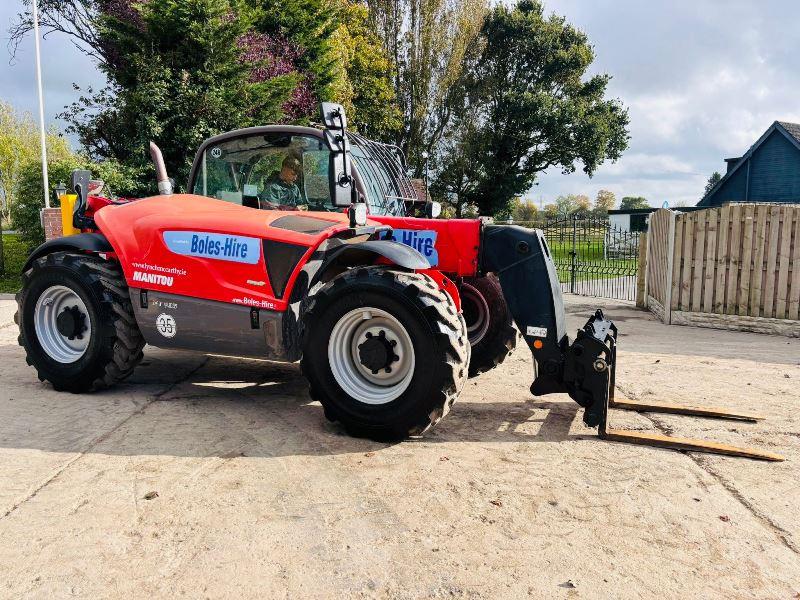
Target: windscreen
(380, 167)
(272, 171)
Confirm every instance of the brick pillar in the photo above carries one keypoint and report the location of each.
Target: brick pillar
(51, 222)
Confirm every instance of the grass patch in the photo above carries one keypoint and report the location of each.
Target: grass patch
(590, 263)
(14, 256)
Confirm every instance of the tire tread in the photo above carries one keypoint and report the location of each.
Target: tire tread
(106, 279)
(449, 328)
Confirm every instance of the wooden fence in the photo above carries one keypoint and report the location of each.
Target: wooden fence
(660, 230)
(737, 266)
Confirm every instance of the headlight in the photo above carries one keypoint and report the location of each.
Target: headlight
(360, 213)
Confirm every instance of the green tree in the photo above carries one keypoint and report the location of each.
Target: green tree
(582, 203)
(300, 32)
(570, 204)
(180, 70)
(25, 212)
(533, 105)
(175, 90)
(20, 146)
(454, 169)
(604, 202)
(364, 80)
(427, 41)
(551, 211)
(632, 202)
(712, 181)
(523, 210)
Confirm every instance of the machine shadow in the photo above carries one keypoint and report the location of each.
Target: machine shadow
(233, 407)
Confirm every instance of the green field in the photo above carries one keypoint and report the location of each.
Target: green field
(14, 255)
(589, 260)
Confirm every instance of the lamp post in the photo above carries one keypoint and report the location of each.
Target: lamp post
(41, 102)
(425, 156)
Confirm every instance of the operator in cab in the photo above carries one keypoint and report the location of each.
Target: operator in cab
(281, 190)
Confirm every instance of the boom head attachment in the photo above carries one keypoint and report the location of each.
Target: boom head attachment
(586, 367)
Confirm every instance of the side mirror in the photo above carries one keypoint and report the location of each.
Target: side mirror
(341, 183)
(433, 209)
(340, 171)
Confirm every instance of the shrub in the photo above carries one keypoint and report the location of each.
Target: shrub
(119, 180)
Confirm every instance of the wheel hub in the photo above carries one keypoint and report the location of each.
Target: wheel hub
(71, 323)
(377, 352)
(63, 325)
(371, 355)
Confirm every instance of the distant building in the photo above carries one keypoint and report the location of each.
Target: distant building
(635, 219)
(630, 219)
(768, 172)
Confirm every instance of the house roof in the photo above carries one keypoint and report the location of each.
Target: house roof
(790, 130)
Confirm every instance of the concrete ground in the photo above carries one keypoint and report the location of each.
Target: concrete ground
(217, 477)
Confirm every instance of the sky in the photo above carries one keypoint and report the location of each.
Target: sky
(702, 80)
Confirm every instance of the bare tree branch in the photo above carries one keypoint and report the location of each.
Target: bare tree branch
(73, 18)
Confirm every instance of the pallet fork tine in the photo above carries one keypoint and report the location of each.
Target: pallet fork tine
(678, 409)
(665, 441)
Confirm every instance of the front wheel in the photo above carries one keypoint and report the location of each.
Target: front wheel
(386, 352)
(76, 322)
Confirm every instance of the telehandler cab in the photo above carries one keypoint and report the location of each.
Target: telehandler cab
(377, 325)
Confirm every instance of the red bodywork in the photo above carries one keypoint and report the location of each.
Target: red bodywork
(457, 241)
(136, 231)
(95, 203)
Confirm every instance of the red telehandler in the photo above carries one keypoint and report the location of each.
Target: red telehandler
(223, 170)
(379, 331)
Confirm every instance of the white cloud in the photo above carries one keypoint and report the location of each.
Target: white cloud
(646, 165)
(702, 82)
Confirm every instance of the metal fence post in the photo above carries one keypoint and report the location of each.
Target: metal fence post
(2, 257)
(573, 253)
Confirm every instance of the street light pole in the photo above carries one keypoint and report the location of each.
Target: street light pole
(425, 158)
(41, 103)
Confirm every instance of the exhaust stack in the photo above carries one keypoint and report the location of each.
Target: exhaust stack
(164, 182)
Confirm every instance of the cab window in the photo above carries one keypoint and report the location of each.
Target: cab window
(272, 171)
(381, 194)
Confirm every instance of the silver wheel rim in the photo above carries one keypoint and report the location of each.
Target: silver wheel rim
(53, 301)
(352, 330)
(477, 329)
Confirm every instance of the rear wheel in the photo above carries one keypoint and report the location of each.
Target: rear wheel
(385, 353)
(491, 332)
(76, 322)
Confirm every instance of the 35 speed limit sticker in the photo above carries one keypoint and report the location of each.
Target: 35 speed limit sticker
(166, 325)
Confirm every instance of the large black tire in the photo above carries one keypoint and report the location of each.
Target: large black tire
(436, 332)
(491, 330)
(115, 342)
